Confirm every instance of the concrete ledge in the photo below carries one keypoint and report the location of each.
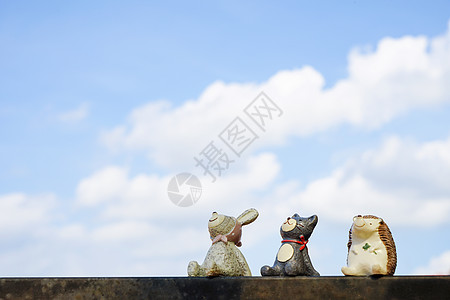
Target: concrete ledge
(339, 287)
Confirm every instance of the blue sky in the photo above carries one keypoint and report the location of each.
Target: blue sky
(101, 103)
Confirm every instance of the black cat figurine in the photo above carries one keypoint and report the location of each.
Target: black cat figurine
(293, 258)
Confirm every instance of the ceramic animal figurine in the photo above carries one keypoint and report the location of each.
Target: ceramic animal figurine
(223, 257)
(293, 258)
(371, 248)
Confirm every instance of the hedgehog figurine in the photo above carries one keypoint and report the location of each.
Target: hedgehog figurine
(371, 248)
(292, 257)
(223, 257)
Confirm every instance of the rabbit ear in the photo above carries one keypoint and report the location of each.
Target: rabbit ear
(248, 216)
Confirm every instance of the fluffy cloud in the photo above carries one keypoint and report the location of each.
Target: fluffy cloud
(25, 223)
(21, 213)
(439, 265)
(145, 196)
(400, 75)
(102, 186)
(420, 170)
(398, 181)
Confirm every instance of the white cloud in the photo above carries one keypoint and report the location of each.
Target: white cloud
(420, 169)
(25, 223)
(76, 114)
(400, 75)
(439, 265)
(145, 196)
(141, 196)
(398, 181)
(23, 213)
(102, 186)
(122, 231)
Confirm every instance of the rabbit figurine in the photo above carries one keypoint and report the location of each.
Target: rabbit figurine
(223, 257)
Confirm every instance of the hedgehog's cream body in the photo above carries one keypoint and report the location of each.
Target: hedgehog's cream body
(371, 248)
(367, 255)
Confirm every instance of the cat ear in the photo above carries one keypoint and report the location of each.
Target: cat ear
(248, 216)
